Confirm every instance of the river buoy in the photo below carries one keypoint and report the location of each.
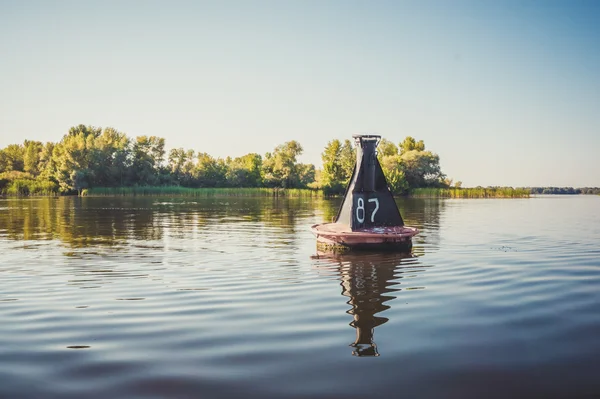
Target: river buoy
(368, 217)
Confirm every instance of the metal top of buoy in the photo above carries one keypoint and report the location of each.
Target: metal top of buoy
(366, 136)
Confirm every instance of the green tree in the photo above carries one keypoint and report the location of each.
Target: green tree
(110, 158)
(393, 169)
(410, 144)
(80, 179)
(306, 174)
(332, 176)
(73, 160)
(46, 165)
(31, 156)
(391, 164)
(347, 160)
(209, 172)
(280, 169)
(181, 165)
(188, 167)
(409, 165)
(244, 171)
(338, 165)
(3, 162)
(147, 158)
(85, 131)
(176, 160)
(422, 169)
(386, 148)
(12, 158)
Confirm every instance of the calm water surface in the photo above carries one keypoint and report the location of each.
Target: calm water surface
(228, 297)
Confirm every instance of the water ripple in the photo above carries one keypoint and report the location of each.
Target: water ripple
(222, 298)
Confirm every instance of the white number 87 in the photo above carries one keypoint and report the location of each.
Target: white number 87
(360, 209)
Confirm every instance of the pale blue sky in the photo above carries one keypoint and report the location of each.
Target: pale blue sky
(506, 92)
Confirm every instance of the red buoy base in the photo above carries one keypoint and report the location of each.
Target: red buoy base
(338, 236)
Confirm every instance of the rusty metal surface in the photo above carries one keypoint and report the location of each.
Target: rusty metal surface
(342, 234)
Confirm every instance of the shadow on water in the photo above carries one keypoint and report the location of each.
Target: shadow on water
(369, 280)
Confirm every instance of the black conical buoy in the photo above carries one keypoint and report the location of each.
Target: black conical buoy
(368, 216)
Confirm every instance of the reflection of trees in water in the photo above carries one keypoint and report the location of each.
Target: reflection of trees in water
(421, 212)
(368, 280)
(282, 213)
(82, 222)
(424, 214)
(76, 222)
(330, 209)
(110, 221)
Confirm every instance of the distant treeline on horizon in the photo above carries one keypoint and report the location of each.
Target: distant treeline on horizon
(90, 157)
(564, 190)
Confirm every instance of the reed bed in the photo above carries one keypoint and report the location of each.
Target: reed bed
(477, 192)
(203, 192)
(27, 187)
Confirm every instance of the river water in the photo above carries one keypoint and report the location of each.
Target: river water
(228, 297)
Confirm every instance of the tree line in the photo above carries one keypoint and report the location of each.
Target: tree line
(88, 156)
(564, 190)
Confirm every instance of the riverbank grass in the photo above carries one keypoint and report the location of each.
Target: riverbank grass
(203, 192)
(476, 192)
